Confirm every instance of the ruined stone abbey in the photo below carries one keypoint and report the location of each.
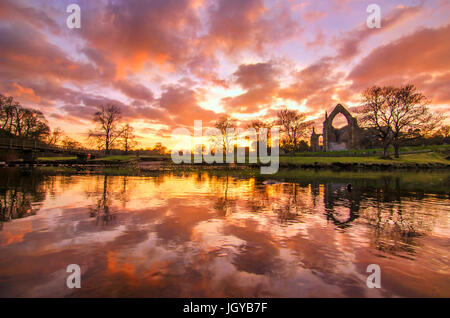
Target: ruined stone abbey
(334, 139)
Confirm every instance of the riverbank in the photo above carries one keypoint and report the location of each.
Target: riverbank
(417, 180)
(418, 160)
(428, 160)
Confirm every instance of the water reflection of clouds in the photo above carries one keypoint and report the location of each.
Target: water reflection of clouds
(170, 238)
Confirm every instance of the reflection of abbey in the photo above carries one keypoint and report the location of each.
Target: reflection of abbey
(333, 139)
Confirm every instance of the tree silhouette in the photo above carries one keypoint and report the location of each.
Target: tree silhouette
(294, 127)
(107, 132)
(397, 114)
(225, 124)
(128, 138)
(21, 121)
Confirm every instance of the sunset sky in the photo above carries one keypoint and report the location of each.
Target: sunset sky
(166, 63)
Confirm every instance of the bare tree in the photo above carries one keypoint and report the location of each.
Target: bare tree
(294, 126)
(107, 132)
(443, 131)
(55, 136)
(69, 143)
(19, 114)
(397, 114)
(33, 124)
(225, 124)
(258, 125)
(159, 149)
(128, 138)
(7, 111)
(376, 113)
(411, 116)
(20, 121)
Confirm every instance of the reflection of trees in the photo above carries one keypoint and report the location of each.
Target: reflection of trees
(293, 204)
(200, 178)
(20, 194)
(126, 188)
(315, 191)
(60, 183)
(160, 178)
(15, 204)
(102, 210)
(286, 200)
(394, 217)
(395, 223)
(259, 199)
(224, 205)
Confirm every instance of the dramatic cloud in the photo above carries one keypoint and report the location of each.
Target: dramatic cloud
(236, 24)
(138, 34)
(351, 43)
(181, 104)
(421, 58)
(166, 63)
(36, 17)
(259, 81)
(314, 85)
(27, 53)
(136, 91)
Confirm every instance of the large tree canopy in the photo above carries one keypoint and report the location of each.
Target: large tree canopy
(396, 114)
(21, 121)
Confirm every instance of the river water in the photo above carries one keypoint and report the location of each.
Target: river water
(201, 235)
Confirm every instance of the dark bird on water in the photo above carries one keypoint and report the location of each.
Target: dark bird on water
(349, 187)
(271, 182)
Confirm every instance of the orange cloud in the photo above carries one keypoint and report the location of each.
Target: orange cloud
(24, 92)
(261, 85)
(314, 85)
(237, 25)
(421, 58)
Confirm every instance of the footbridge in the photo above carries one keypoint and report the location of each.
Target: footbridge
(30, 148)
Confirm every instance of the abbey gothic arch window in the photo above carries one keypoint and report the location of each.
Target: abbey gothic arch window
(335, 139)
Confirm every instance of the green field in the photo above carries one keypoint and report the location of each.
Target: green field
(373, 152)
(56, 158)
(421, 156)
(117, 158)
(114, 158)
(417, 158)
